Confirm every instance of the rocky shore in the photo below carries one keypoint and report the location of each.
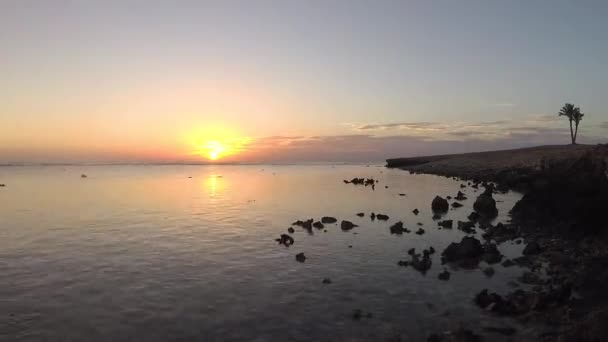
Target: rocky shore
(563, 222)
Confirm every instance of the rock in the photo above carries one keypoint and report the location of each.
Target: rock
(468, 247)
(285, 239)
(500, 233)
(440, 204)
(411, 251)
(382, 217)
(467, 227)
(448, 197)
(328, 220)
(507, 331)
(326, 281)
(291, 230)
(508, 263)
(436, 216)
(401, 194)
(421, 265)
(485, 205)
(347, 225)
(83, 176)
(403, 263)
(445, 275)
(360, 214)
(459, 335)
(304, 224)
(2, 185)
(474, 216)
(488, 271)
(446, 223)
(420, 231)
(460, 196)
(300, 257)
(357, 314)
(530, 278)
(318, 225)
(456, 205)
(420, 224)
(416, 211)
(398, 228)
(372, 216)
(491, 254)
(532, 248)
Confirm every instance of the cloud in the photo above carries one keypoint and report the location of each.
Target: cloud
(500, 104)
(402, 125)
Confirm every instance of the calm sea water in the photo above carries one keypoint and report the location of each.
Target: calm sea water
(146, 253)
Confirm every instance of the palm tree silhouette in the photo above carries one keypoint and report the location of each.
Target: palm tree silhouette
(574, 115)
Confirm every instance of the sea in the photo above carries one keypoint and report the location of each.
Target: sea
(188, 253)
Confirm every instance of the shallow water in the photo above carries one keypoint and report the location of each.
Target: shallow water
(146, 253)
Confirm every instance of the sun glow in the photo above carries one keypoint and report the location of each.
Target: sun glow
(216, 143)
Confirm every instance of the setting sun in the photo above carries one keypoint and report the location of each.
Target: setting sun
(215, 143)
(214, 149)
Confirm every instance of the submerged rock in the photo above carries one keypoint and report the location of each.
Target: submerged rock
(291, 230)
(440, 204)
(460, 196)
(467, 227)
(304, 224)
(326, 281)
(488, 271)
(416, 211)
(318, 225)
(420, 231)
(456, 205)
(445, 275)
(360, 214)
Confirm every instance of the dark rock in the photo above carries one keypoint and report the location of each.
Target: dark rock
(411, 251)
(401, 194)
(445, 275)
(474, 216)
(326, 281)
(328, 220)
(304, 224)
(357, 314)
(347, 225)
(532, 248)
(360, 214)
(318, 225)
(300, 257)
(285, 240)
(382, 217)
(467, 227)
(446, 223)
(398, 228)
(448, 197)
(291, 230)
(403, 263)
(508, 263)
(2, 185)
(531, 278)
(420, 231)
(459, 335)
(372, 216)
(485, 205)
(500, 233)
(83, 176)
(488, 271)
(507, 331)
(440, 204)
(491, 254)
(468, 247)
(421, 265)
(456, 205)
(436, 216)
(460, 196)
(416, 211)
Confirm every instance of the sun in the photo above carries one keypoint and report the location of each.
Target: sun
(214, 149)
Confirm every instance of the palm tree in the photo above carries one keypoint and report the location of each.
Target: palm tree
(574, 115)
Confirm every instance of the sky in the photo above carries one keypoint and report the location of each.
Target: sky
(294, 81)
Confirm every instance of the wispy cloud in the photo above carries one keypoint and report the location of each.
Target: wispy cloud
(403, 125)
